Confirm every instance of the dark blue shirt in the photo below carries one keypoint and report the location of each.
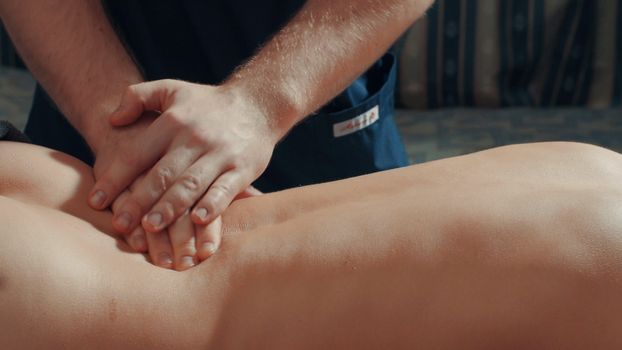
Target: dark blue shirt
(203, 42)
(199, 41)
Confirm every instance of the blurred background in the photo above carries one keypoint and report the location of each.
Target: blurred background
(475, 74)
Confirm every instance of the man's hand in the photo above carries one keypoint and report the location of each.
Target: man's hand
(206, 147)
(183, 244)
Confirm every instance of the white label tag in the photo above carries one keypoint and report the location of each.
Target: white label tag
(355, 124)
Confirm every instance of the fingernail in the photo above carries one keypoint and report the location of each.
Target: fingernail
(155, 219)
(164, 259)
(187, 261)
(209, 247)
(98, 198)
(201, 213)
(123, 221)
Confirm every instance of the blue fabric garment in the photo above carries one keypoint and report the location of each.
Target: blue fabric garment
(312, 153)
(203, 42)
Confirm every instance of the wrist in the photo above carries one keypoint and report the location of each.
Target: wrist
(277, 110)
(266, 114)
(94, 127)
(91, 117)
(95, 135)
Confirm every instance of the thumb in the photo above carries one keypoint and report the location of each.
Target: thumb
(138, 99)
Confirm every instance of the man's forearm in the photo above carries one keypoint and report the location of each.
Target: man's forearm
(75, 54)
(322, 50)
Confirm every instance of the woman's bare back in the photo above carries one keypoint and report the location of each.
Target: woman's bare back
(517, 246)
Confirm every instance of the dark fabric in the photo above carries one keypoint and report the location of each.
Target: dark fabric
(8, 55)
(432, 59)
(617, 91)
(451, 53)
(47, 127)
(200, 41)
(204, 41)
(515, 44)
(312, 153)
(568, 78)
(10, 133)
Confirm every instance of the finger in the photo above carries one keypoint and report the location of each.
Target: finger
(118, 203)
(181, 235)
(139, 98)
(136, 182)
(127, 165)
(208, 238)
(160, 249)
(146, 193)
(182, 195)
(218, 197)
(137, 240)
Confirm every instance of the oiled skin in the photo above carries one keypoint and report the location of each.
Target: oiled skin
(518, 247)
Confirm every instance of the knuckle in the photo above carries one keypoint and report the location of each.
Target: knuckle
(132, 206)
(117, 205)
(177, 205)
(190, 183)
(174, 119)
(186, 249)
(164, 176)
(230, 160)
(225, 144)
(210, 204)
(218, 197)
(237, 162)
(130, 91)
(167, 81)
(221, 190)
(168, 209)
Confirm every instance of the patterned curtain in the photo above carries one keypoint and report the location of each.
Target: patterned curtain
(502, 53)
